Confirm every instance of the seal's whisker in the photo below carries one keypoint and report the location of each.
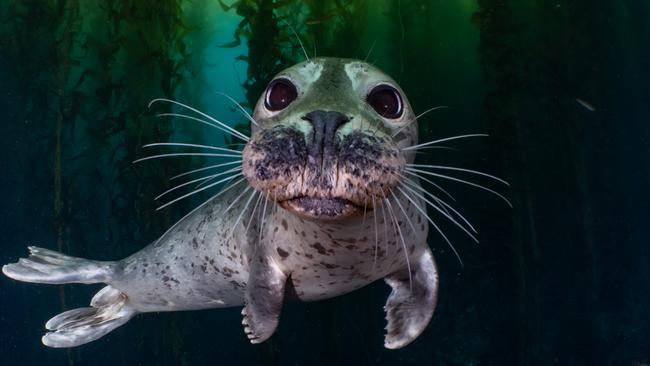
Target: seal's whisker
(385, 237)
(423, 212)
(418, 117)
(415, 147)
(187, 154)
(226, 188)
(363, 221)
(442, 204)
(437, 186)
(240, 108)
(218, 123)
(436, 148)
(298, 38)
(450, 218)
(374, 216)
(392, 222)
(406, 254)
(234, 201)
(415, 185)
(399, 204)
(210, 147)
(461, 181)
(444, 167)
(197, 180)
(250, 220)
(205, 168)
(241, 214)
(198, 190)
(263, 214)
(213, 178)
(372, 47)
(408, 219)
(218, 127)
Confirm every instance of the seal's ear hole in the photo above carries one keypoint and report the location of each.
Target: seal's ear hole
(280, 93)
(386, 101)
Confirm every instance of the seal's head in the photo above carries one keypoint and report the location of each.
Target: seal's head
(329, 139)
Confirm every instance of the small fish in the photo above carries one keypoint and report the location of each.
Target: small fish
(588, 106)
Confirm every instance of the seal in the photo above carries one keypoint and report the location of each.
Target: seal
(321, 206)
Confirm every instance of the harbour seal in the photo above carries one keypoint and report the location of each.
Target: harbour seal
(322, 205)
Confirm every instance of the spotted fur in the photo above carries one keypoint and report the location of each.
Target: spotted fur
(214, 259)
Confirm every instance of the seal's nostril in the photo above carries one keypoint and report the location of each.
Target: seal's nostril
(325, 124)
(326, 117)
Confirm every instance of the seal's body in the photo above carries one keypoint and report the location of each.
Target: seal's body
(323, 210)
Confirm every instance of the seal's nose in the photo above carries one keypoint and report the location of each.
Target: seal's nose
(325, 124)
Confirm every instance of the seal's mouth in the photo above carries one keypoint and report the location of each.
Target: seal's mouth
(322, 208)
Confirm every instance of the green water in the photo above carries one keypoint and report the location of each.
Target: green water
(560, 86)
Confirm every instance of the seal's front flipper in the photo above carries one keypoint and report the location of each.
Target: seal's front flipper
(411, 303)
(48, 266)
(264, 297)
(79, 326)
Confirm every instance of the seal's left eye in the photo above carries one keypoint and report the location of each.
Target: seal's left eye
(280, 94)
(386, 101)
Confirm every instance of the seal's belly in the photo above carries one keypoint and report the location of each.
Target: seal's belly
(323, 275)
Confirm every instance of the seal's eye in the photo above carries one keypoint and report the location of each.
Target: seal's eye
(280, 94)
(386, 101)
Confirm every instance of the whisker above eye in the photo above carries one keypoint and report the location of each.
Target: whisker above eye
(415, 147)
(240, 108)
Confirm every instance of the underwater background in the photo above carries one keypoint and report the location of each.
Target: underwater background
(561, 87)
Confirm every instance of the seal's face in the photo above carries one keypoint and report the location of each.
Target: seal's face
(324, 148)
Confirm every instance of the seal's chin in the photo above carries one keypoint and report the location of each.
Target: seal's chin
(322, 208)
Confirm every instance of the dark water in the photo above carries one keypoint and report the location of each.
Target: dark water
(561, 87)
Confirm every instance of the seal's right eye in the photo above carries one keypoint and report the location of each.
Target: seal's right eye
(279, 94)
(386, 101)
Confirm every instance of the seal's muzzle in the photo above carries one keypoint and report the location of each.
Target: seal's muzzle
(325, 124)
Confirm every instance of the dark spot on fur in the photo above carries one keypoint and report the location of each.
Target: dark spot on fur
(283, 253)
(320, 248)
(329, 265)
(227, 271)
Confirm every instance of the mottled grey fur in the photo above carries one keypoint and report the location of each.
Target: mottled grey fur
(207, 261)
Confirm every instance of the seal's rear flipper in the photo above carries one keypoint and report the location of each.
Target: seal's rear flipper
(47, 266)
(79, 326)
